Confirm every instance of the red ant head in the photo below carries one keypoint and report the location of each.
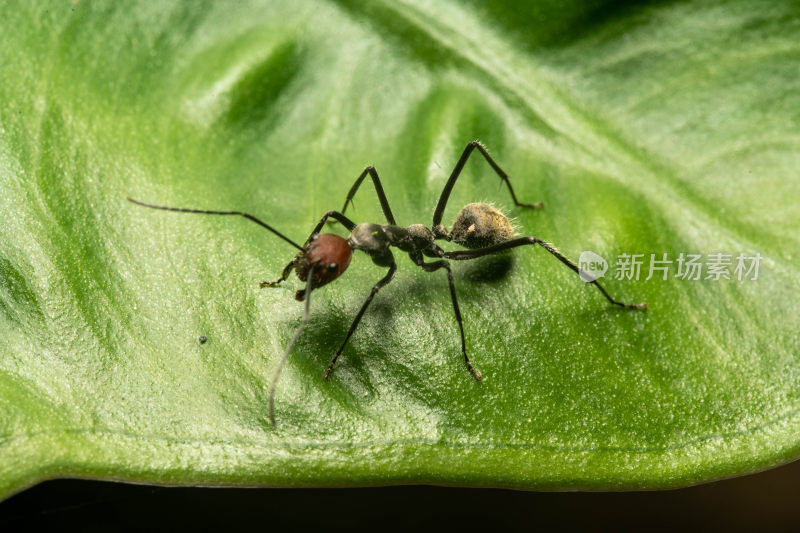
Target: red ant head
(329, 254)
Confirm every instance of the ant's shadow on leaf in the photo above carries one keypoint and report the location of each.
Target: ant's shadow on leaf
(489, 269)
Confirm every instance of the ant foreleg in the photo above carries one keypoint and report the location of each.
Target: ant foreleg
(432, 267)
(383, 281)
(336, 215)
(286, 271)
(473, 254)
(370, 170)
(438, 230)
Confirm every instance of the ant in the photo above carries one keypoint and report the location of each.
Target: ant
(323, 257)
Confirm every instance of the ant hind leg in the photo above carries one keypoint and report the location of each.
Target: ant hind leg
(460, 255)
(438, 229)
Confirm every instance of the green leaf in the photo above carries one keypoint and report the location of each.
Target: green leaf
(665, 127)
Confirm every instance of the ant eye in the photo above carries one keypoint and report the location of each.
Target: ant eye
(333, 267)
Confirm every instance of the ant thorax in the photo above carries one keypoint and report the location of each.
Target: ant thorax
(375, 239)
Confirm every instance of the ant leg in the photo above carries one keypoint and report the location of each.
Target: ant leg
(383, 281)
(370, 170)
(438, 230)
(286, 271)
(300, 328)
(336, 215)
(432, 267)
(460, 255)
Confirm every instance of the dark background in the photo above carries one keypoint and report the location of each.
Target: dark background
(767, 501)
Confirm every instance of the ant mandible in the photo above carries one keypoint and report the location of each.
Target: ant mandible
(325, 256)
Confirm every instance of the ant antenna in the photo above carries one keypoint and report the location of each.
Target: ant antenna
(297, 333)
(205, 212)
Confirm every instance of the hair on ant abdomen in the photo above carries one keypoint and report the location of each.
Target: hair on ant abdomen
(480, 228)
